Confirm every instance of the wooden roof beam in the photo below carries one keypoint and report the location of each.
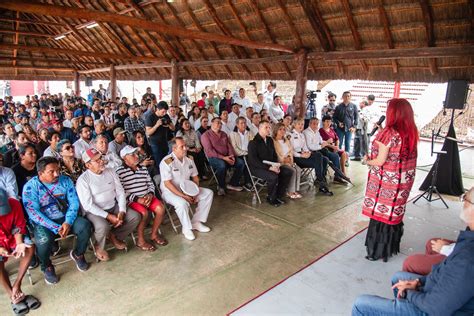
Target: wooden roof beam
(200, 28)
(31, 34)
(430, 39)
(386, 28)
(24, 21)
(37, 68)
(254, 6)
(92, 15)
(318, 24)
(242, 26)
(223, 28)
(79, 53)
(355, 33)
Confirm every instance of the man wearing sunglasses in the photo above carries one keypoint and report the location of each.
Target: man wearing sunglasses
(447, 290)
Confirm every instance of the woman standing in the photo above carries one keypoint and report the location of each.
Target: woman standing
(392, 168)
(284, 150)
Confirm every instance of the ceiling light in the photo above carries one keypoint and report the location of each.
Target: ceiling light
(92, 25)
(59, 37)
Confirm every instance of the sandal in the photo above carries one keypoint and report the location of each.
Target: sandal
(292, 196)
(20, 308)
(32, 302)
(17, 297)
(146, 247)
(297, 195)
(160, 241)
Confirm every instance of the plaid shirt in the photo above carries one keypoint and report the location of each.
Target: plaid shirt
(134, 124)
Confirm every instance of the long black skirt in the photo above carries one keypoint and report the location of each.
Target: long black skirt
(383, 240)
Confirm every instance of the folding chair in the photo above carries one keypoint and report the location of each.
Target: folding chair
(257, 183)
(214, 176)
(307, 177)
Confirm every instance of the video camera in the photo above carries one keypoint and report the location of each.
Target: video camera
(312, 94)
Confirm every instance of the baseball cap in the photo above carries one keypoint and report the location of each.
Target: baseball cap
(56, 121)
(119, 130)
(127, 150)
(4, 205)
(89, 154)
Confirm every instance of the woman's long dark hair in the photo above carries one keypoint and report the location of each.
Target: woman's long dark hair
(133, 141)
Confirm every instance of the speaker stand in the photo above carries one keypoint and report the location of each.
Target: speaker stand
(432, 190)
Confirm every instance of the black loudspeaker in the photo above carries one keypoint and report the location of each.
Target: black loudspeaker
(88, 81)
(456, 94)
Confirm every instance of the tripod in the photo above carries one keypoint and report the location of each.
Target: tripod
(428, 193)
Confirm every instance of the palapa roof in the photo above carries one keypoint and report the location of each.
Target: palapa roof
(406, 40)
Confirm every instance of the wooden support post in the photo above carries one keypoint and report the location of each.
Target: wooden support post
(174, 83)
(77, 84)
(301, 59)
(113, 82)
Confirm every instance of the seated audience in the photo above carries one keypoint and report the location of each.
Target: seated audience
(305, 158)
(53, 139)
(144, 152)
(104, 202)
(436, 250)
(112, 160)
(221, 156)
(133, 122)
(193, 115)
(203, 126)
(317, 145)
(119, 141)
(276, 112)
(68, 164)
(284, 152)
(64, 132)
(176, 168)
(14, 244)
(52, 206)
(12, 156)
(329, 135)
(140, 192)
(240, 140)
(253, 126)
(261, 148)
(84, 142)
(446, 290)
(193, 144)
(25, 169)
(42, 143)
(8, 180)
(226, 125)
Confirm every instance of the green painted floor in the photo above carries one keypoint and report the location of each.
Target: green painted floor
(249, 249)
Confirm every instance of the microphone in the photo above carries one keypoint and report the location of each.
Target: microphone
(380, 121)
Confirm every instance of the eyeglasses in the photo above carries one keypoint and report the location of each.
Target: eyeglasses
(332, 99)
(68, 147)
(462, 198)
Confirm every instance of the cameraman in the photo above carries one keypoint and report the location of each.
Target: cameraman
(159, 130)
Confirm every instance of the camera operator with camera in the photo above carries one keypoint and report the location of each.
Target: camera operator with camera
(159, 130)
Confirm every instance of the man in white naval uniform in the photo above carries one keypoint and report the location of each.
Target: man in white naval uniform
(174, 169)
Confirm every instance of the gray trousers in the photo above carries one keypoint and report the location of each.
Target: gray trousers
(102, 227)
(361, 143)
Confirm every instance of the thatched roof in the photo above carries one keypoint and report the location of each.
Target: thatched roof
(408, 40)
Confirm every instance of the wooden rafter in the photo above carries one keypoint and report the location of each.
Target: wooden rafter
(200, 28)
(16, 37)
(26, 21)
(225, 31)
(31, 34)
(430, 38)
(386, 29)
(254, 6)
(318, 24)
(48, 60)
(244, 28)
(77, 13)
(72, 52)
(355, 33)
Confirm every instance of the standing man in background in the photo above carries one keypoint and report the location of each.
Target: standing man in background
(345, 118)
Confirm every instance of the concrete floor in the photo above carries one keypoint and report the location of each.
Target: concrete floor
(250, 248)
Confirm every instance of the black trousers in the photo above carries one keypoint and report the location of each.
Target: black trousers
(277, 183)
(316, 161)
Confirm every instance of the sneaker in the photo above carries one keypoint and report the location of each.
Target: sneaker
(220, 192)
(324, 190)
(50, 276)
(80, 261)
(347, 163)
(248, 187)
(234, 188)
(274, 202)
(188, 234)
(356, 159)
(34, 263)
(200, 227)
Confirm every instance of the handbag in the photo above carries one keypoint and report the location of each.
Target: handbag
(62, 204)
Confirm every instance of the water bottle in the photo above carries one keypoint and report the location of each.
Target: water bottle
(254, 199)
